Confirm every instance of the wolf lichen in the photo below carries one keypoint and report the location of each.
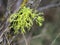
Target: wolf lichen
(24, 18)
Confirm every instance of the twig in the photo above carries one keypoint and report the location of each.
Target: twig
(7, 39)
(48, 6)
(4, 32)
(25, 39)
(13, 39)
(55, 39)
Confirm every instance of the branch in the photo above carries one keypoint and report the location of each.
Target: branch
(7, 39)
(55, 39)
(1, 33)
(48, 6)
(13, 38)
(25, 39)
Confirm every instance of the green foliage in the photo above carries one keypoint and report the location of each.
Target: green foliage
(24, 19)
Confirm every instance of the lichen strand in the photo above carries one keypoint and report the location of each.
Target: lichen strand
(24, 18)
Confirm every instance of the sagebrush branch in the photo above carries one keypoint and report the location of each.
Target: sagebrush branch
(48, 6)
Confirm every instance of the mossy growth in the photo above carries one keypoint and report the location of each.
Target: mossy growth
(24, 18)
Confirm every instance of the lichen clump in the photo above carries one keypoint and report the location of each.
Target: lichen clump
(24, 18)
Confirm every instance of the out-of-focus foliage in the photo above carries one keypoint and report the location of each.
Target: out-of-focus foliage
(24, 19)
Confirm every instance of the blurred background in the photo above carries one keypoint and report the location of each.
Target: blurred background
(47, 34)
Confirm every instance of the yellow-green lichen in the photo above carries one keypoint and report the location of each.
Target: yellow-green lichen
(24, 18)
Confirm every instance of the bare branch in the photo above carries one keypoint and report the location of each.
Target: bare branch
(25, 39)
(48, 6)
(7, 39)
(55, 39)
(1, 33)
